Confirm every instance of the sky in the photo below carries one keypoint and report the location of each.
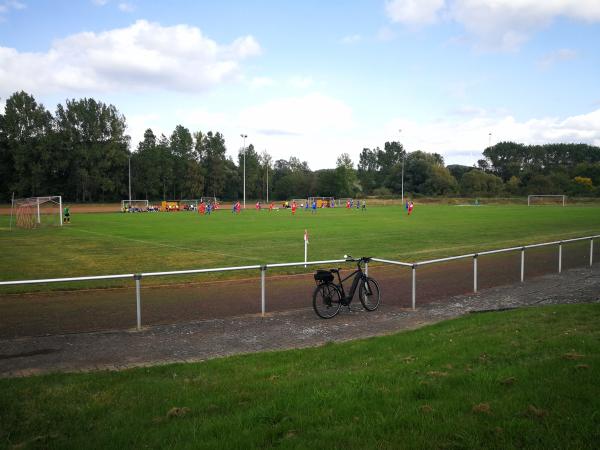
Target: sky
(315, 79)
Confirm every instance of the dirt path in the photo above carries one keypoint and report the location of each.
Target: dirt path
(205, 339)
(39, 314)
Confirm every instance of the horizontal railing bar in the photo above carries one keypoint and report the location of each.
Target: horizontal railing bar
(307, 263)
(450, 258)
(192, 271)
(58, 280)
(580, 239)
(397, 263)
(544, 244)
(502, 250)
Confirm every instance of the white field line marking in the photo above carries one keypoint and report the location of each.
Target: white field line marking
(167, 245)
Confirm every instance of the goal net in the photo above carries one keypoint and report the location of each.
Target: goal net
(301, 202)
(342, 202)
(189, 205)
(211, 200)
(134, 205)
(322, 202)
(37, 212)
(535, 200)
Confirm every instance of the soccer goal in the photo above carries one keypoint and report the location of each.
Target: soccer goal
(36, 212)
(189, 205)
(536, 200)
(134, 205)
(342, 202)
(322, 202)
(212, 200)
(299, 201)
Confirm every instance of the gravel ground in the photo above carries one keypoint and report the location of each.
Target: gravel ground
(197, 341)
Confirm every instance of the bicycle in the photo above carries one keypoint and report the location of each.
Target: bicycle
(329, 296)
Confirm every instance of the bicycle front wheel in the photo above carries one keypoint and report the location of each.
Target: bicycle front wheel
(327, 300)
(369, 293)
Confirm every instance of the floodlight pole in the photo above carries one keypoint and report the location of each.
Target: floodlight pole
(244, 136)
(403, 159)
(129, 180)
(490, 139)
(267, 180)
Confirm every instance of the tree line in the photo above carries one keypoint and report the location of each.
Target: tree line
(83, 153)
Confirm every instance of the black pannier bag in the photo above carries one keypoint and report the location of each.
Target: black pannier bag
(323, 276)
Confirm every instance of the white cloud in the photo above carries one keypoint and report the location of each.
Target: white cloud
(301, 82)
(498, 24)
(261, 82)
(306, 115)
(314, 127)
(414, 12)
(351, 39)
(563, 54)
(126, 7)
(463, 141)
(143, 56)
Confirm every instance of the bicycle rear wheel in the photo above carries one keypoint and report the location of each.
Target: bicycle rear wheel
(327, 300)
(369, 293)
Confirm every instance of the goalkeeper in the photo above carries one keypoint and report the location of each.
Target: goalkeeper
(66, 215)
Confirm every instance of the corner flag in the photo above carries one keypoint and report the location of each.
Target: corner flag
(306, 236)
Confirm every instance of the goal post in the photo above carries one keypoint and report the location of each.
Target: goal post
(134, 205)
(538, 199)
(37, 212)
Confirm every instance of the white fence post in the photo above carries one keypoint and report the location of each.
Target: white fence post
(591, 251)
(138, 300)
(414, 286)
(522, 264)
(475, 272)
(263, 269)
(560, 257)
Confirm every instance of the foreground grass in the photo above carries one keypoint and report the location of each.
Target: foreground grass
(100, 244)
(524, 378)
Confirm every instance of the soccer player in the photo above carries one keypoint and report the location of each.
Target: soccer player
(258, 206)
(294, 208)
(411, 205)
(364, 205)
(270, 206)
(314, 207)
(66, 215)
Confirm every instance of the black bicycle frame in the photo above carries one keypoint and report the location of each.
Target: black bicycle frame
(348, 298)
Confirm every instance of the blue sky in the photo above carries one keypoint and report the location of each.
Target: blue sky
(315, 79)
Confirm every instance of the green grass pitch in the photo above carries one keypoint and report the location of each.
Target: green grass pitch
(112, 243)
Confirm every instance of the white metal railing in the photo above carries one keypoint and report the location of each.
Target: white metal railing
(263, 268)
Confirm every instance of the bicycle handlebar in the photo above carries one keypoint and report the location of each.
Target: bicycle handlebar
(364, 259)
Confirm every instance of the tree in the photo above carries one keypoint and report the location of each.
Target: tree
(368, 170)
(26, 128)
(188, 181)
(93, 135)
(440, 181)
(346, 182)
(478, 183)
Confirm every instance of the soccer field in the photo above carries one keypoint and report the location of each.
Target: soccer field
(106, 243)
